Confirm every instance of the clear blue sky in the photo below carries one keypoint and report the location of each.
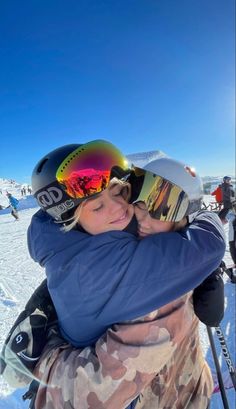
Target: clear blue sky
(146, 75)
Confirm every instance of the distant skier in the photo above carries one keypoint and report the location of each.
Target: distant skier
(228, 196)
(14, 205)
(218, 196)
(231, 217)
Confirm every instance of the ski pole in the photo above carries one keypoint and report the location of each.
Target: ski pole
(218, 371)
(226, 354)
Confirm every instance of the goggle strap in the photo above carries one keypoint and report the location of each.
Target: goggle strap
(64, 221)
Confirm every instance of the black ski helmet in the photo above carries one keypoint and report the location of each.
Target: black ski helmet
(226, 179)
(54, 195)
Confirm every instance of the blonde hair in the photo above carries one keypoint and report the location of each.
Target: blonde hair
(76, 217)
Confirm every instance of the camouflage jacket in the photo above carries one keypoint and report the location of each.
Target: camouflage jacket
(155, 360)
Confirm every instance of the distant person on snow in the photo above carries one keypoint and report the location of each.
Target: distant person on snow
(231, 217)
(228, 196)
(23, 191)
(14, 205)
(218, 196)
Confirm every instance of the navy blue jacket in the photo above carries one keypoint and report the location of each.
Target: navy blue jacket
(97, 281)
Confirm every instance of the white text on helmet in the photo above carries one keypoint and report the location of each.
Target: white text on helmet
(50, 196)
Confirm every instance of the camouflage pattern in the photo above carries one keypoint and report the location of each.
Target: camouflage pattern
(156, 358)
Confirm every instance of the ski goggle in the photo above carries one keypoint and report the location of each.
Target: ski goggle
(164, 200)
(88, 169)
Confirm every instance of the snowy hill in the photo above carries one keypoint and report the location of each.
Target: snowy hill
(217, 179)
(9, 185)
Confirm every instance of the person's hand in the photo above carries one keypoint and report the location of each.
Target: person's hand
(142, 216)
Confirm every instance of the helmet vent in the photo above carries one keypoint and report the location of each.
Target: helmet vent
(41, 165)
(72, 156)
(191, 171)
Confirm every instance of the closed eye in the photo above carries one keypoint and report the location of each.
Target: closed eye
(98, 208)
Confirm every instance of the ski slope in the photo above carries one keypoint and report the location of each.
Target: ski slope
(20, 276)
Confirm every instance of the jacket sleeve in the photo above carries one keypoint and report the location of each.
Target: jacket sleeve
(208, 299)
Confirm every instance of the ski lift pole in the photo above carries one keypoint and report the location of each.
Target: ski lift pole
(226, 354)
(218, 371)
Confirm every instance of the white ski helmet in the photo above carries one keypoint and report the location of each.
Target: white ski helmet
(170, 189)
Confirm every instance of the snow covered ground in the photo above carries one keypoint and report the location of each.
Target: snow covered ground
(20, 276)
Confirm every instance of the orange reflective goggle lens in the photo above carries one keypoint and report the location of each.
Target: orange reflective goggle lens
(87, 170)
(165, 201)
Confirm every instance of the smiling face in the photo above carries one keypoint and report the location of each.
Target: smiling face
(107, 211)
(147, 224)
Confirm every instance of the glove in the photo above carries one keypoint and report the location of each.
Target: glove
(27, 338)
(208, 299)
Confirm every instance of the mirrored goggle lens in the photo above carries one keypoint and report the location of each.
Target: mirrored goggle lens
(165, 201)
(87, 170)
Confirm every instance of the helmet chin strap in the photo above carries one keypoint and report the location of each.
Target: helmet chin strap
(132, 227)
(63, 221)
